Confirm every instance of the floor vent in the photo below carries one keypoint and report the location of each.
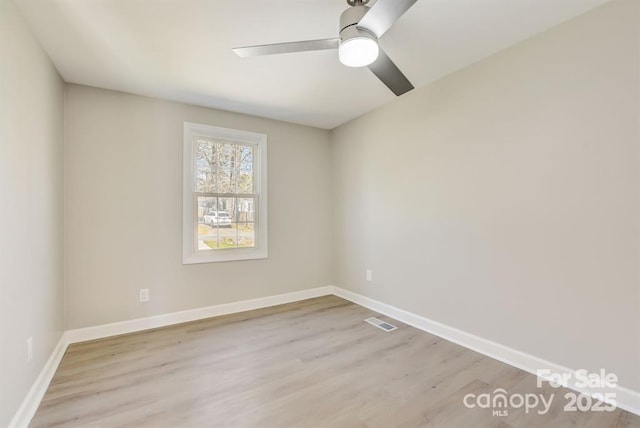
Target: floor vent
(381, 324)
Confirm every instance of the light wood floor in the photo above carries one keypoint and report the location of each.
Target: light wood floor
(314, 363)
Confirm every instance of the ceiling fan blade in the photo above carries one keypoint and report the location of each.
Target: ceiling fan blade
(383, 14)
(390, 74)
(289, 47)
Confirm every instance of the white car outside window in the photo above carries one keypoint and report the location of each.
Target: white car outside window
(218, 218)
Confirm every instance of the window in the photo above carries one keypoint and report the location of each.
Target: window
(225, 198)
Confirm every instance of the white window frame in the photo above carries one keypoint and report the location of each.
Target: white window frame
(190, 252)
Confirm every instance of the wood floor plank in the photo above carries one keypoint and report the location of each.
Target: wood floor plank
(314, 363)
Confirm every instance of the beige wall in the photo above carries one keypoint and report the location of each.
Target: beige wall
(503, 200)
(31, 207)
(123, 210)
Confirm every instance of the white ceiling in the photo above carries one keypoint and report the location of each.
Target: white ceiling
(181, 49)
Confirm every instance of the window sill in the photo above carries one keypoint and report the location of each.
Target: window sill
(226, 255)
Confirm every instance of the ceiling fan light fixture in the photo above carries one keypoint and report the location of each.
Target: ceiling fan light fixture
(358, 51)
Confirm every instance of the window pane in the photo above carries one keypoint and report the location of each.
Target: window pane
(226, 181)
(205, 205)
(207, 236)
(246, 235)
(245, 182)
(213, 237)
(226, 155)
(246, 210)
(245, 169)
(227, 211)
(245, 158)
(227, 237)
(205, 164)
(207, 231)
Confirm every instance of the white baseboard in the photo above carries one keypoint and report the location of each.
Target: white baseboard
(626, 399)
(31, 402)
(139, 324)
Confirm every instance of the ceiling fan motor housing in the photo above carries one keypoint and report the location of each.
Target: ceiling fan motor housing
(348, 24)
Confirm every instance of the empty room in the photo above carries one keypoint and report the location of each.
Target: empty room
(320, 213)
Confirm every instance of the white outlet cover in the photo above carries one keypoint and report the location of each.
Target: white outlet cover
(144, 294)
(369, 275)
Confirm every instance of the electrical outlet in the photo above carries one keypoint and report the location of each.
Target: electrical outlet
(144, 295)
(369, 275)
(29, 349)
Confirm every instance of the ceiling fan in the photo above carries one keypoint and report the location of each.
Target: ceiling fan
(360, 28)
